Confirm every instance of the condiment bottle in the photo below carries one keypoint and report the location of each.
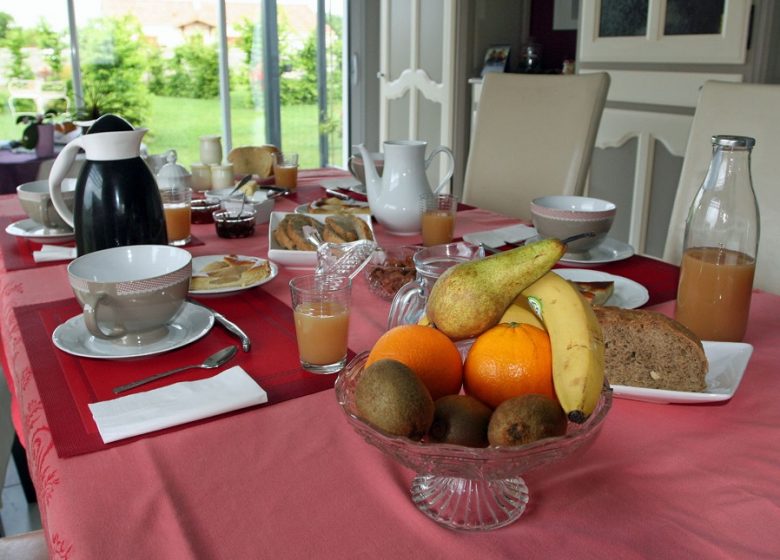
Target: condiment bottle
(175, 184)
(720, 246)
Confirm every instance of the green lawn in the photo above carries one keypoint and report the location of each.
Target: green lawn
(178, 122)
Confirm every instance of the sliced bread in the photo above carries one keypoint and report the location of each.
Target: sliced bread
(647, 349)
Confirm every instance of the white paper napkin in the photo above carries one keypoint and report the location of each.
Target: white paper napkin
(183, 402)
(54, 253)
(501, 236)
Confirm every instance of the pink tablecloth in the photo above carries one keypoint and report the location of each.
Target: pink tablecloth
(294, 481)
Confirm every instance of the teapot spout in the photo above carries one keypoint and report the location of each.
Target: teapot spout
(373, 181)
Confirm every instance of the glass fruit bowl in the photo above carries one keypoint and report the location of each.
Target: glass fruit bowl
(465, 488)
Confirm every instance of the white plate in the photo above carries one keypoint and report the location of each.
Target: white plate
(33, 231)
(728, 361)
(348, 183)
(304, 208)
(628, 294)
(298, 259)
(609, 250)
(198, 263)
(190, 323)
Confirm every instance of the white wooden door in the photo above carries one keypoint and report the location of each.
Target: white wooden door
(417, 60)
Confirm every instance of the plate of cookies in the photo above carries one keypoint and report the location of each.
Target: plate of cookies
(226, 274)
(333, 205)
(288, 244)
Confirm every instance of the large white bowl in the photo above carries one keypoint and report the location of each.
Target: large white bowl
(567, 216)
(36, 202)
(129, 294)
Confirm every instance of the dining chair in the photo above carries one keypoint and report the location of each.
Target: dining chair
(24, 546)
(744, 110)
(533, 136)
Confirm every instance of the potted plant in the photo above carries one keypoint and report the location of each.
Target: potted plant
(38, 133)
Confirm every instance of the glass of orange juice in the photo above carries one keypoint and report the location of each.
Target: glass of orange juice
(321, 306)
(178, 210)
(286, 170)
(438, 219)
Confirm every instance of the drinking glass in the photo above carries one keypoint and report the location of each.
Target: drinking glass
(286, 170)
(321, 306)
(178, 211)
(438, 219)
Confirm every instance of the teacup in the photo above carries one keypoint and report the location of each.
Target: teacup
(36, 202)
(129, 294)
(355, 165)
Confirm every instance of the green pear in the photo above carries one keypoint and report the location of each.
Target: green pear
(471, 297)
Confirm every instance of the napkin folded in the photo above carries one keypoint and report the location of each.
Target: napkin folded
(54, 253)
(183, 402)
(501, 236)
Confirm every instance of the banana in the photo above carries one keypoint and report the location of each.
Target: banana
(577, 344)
(520, 312)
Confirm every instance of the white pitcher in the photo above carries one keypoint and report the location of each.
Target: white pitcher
(396, 197)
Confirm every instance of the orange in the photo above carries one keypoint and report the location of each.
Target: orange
(427, 352)
(509, 360)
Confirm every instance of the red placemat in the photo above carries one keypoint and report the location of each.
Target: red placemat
(68, 383)
(18, 252)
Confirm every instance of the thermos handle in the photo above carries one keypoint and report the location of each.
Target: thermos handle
(57, 174)
(448, 174)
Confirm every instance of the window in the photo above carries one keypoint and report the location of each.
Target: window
(157, 62)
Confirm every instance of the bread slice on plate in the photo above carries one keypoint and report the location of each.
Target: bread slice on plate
(644, 348)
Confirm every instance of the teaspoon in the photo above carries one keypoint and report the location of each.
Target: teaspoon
(213, 361)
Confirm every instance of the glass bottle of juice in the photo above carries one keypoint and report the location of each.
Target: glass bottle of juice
(720, 246)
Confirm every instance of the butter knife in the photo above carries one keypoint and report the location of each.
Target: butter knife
(246, 343)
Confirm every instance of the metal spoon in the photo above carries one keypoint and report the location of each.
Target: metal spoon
(213, 361)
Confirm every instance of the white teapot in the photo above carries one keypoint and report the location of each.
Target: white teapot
(396, 197)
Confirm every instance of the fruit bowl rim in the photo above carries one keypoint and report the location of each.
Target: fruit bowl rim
(576, 433)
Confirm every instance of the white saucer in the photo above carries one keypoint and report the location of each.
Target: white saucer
(628, 294)
(728, 361)
(190, 323)
(38, 233)
(609, 250)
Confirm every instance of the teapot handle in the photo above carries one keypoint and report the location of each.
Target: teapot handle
(58, 171)
(448, 174)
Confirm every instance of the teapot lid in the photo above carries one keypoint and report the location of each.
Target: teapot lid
(109, 123)
(172, 175)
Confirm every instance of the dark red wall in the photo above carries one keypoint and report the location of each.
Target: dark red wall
(557, 46)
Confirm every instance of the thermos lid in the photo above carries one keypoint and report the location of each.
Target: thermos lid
(172, 175)
(109, 123)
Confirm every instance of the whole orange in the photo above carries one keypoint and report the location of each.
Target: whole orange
(509, 360)
(427, 352)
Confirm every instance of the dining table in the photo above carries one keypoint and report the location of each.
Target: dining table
(292, 479)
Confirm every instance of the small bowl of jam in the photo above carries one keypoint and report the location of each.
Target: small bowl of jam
(232, 225)
(203, 210)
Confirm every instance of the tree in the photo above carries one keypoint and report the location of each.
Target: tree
(195, 70)
(114, 65)
(52, 44)
(6, 21)
(15, 40)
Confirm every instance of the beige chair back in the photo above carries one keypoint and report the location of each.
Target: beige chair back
(742, 110)
(534, 136)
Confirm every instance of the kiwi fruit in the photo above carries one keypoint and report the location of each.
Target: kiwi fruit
(390, 396)
(525, 419)
(460, 420)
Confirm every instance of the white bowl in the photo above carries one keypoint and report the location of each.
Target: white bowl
(262, 205)
(566, 216)
(36, 202)
(129, 294)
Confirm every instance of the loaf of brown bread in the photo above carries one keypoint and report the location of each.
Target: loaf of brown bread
(647, 349)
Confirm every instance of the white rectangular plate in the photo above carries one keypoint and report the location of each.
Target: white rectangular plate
(728, 361)
(298, 259)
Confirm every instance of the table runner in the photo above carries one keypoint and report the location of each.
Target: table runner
(67, 383)
(17, 252)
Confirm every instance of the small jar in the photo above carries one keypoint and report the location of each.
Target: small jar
(233, 226)
(203, 210)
